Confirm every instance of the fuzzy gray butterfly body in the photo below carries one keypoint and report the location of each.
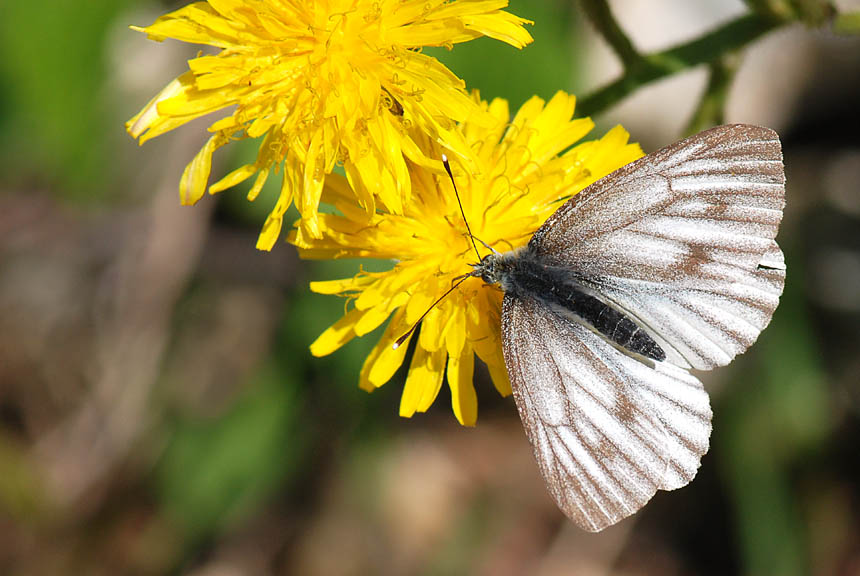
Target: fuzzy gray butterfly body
(668, 264)
(522, 274)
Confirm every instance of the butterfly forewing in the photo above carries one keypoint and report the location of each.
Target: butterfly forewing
(607, 429)
(682, 240)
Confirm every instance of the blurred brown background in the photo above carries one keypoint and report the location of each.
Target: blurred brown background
(160, 412)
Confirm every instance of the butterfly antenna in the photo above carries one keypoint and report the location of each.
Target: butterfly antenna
(403, 338)
(487, 246)
(460, 204)
(460, 279)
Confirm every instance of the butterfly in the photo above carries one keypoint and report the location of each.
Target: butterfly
(666, 265)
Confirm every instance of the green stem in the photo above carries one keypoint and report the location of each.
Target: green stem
(601, 17)
(813, 13)
(712, 106)
(651, 67)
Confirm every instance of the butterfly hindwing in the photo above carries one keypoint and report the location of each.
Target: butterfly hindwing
(607, 430)
(683, 240)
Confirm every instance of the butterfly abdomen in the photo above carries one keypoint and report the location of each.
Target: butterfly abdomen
(521, 274)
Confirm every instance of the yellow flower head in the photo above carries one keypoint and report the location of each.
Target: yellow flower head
(526, 171)
(322, 82)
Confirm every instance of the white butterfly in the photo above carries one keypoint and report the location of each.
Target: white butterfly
(667, 264)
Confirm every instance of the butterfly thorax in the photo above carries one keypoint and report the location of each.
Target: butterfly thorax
(523, 274)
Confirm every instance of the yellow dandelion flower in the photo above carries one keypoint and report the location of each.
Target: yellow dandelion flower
(527, 169)
(321, 82)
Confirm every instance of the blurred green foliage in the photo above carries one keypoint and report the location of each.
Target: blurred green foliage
(54, 123)
(220, 470)
(775, 415)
